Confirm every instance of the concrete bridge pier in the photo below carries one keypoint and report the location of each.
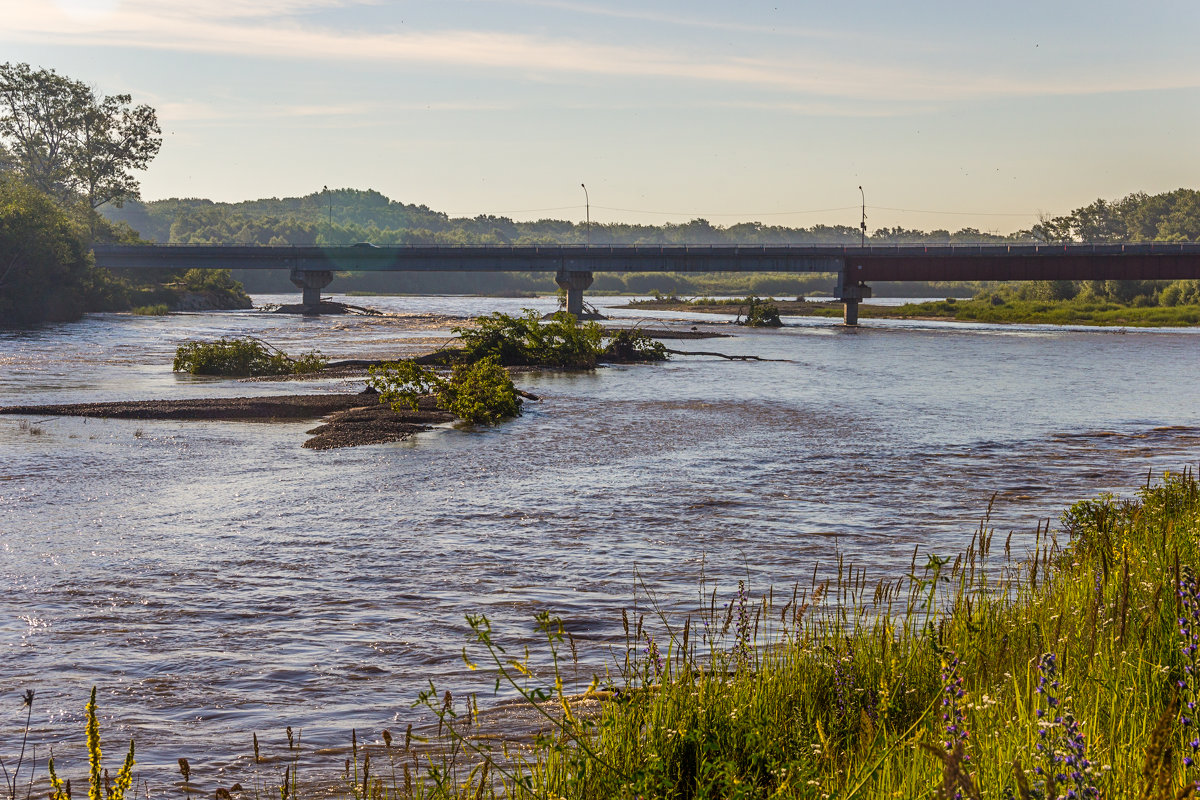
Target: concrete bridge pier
(851, 293)
(574, 282)
(311, 282)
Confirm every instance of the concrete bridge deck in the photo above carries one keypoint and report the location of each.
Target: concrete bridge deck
(312, 267)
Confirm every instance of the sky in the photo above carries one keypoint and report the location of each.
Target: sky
(947, 114)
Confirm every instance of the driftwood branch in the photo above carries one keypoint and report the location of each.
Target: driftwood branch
(720, 355)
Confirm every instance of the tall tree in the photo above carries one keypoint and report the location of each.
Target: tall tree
(43, 266)
(69, 141)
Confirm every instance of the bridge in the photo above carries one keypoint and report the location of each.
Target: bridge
(312, 267)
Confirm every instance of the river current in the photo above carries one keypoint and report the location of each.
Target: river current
(214, 579)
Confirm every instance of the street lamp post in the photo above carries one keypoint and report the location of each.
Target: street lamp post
(329, 197)
(862, 237)
(587, 205)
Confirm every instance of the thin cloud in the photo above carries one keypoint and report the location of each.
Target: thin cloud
(237, 29)
(690, 21)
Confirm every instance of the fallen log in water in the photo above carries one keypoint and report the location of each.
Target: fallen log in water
(721, 355)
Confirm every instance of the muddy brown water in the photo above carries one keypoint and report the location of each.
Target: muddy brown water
(216, 579)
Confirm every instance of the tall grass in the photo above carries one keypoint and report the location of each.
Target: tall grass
(1071, 673)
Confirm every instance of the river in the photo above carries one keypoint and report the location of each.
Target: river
(215, 579)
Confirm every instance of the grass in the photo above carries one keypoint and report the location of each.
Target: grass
(156, 310)
(977, 676)
(1060, 312)
(1070, 672)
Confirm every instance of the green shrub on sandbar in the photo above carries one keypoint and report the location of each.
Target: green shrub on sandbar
(241, 357)
(479, 393)
(156, 310)
(526, 340)
(761, 314)
(633, 346)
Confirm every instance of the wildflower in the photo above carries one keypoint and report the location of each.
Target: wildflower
(1189, 633)
(1061, 744)
(954, 724)
(843, 683)
(741, 647)
(653, 657)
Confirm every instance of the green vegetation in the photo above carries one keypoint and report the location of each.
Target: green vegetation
(760, 313)
(66, 152)
(158, 310)
(633, 346)
(217, 286)
(44, 271)
(1138, 217)
(66, 141)
(1082, 309)
(479, 389)
(525, 340)
(480, 392)
(1158, 304)
(241, 357)
(100, 785)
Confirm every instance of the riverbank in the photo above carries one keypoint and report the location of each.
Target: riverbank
(1059, 675)
(1066, 673)
(952, 310)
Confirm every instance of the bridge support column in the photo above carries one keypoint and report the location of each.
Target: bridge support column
(574, 282)
(311, 282)
(851, 293)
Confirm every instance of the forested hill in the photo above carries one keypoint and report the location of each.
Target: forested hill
(346, 216)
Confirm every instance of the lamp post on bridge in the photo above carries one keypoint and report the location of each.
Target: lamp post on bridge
(862, 236)
(574, 277)
(850, 290)
(587, 207)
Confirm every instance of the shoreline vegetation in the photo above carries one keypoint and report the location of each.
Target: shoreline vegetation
(1070, 672)
(992, 308)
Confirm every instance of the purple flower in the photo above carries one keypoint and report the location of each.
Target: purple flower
(1061, 744)
(1189, 634)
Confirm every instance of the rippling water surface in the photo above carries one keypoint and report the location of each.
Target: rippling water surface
(214, 578)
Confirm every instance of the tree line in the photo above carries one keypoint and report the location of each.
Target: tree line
(67, 151)
(348, 216)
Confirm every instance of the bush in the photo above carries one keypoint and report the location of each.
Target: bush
(241, 357)
(524, 340)
(482, 392)
(633, 346)
(218, 284)
(479, 393)
(43, 266)
(761, 314)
